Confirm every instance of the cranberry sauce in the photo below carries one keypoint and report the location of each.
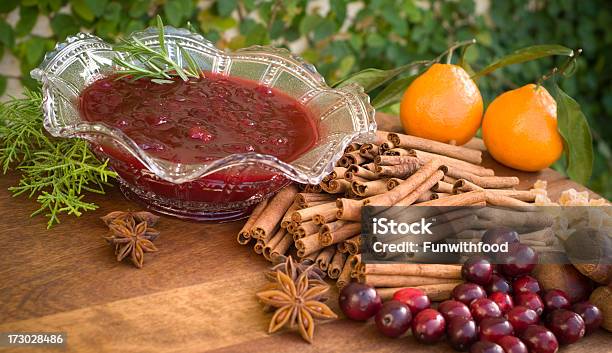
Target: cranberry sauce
(202, 120)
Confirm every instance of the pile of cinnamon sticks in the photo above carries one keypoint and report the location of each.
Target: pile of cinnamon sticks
(321, 223)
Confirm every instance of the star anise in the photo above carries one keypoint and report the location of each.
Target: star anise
(131, 239)
(293, 269)
(140, 216)
(298, 303)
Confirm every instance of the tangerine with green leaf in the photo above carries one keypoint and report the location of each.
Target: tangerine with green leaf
(443, 104)
(520, 129)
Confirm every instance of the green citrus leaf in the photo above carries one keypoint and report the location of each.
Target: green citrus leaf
(97, 6)
(64, 25)
(226, 7)
(7, 36)
(370, 79)
(393, 92)
(27, 20)
(80, 8)
(574, 128)
(8, 5)
(525, 54)
(3, 82)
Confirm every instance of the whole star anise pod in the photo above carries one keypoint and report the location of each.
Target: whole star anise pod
(131, 239)
(298, 304)
(139, 216)
(293, 269)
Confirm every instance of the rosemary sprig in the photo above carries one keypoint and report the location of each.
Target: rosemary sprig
(56, 171)
(140, 61)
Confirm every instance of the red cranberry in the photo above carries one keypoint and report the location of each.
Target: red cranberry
(500, 235)
(477, 269)
(526, 284)
(414, 298)
(520, 317)
(498, 284)
(503, 301)
(359, 301)
(519, 260)
(483, 307)
(530, 300)
(540, 340)
(567, 326)
(591, 315)
(461, 333)
(556, 299)
(428, 326)
(494, 328)
(393, 319)
(466, 292)
(512, 344)
(486, 347)
(452, 308)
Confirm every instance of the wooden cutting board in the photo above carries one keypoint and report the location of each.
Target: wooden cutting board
(195, 295)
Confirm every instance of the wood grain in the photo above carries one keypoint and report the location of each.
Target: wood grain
(196, 294)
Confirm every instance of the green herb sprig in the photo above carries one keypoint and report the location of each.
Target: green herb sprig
(141, 61)
(56, 171)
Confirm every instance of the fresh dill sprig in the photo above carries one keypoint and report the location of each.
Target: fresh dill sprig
(56, 171)
(141, 61)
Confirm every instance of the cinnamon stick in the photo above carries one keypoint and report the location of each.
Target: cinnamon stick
(244, 236)
(485, 182)
(349, 209)
(349, 176)
(458, 152)
(342, 247)
(362, 172)
(304, 199)
(353, 245)
(310, 258)
(400, 281)
(465, 199)
(421, 270)
(336, 186)
(281, 248)
(267, 250)
(345, 275)
(398, 152)
(333, 226)
(370, 188)
(312, 188)
(351, 158)
(401, 171)
(336, 264)
(443, 186)
(353, 146)
(381, 137)
(324, 258)
(286, 220)
(325, 216)
(404, 189)
(522, 195)
(435, 292)
(273, 213)
(259, 246)
(393, 182)
(340, 234)
(422, 189)
(425, 157)
(306, 214)
(501, 200)
(369, 150)
(308, 245)
(306, 228)
(463, 185)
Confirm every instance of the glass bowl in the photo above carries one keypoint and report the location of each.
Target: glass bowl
(226, 188)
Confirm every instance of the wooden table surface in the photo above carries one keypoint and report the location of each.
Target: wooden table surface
(195, 295)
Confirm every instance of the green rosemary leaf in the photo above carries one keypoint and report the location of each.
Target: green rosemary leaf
(55, 171)
(140, 61)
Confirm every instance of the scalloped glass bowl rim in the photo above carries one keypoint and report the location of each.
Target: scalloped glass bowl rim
(180, 172)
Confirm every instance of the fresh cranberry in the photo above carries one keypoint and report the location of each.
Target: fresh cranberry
(414, 298)
(530, 300)
(484, 307)
(498, 284)
(540, 340)
(519, 260)
(591, 315)
(486, 347)
(393, 319)
(359, 301)
(512, 344)
(567, 326)
(428, 326)
(556, 299)
(477, 269)
(466, 292)
(503, 301)
(452, 308)
(461, 333)
(494, 328)
(500, 235)
(520, 317)
(526, 284)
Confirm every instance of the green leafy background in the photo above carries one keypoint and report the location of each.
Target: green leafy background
(342, 37)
